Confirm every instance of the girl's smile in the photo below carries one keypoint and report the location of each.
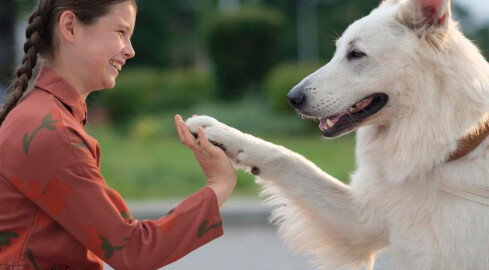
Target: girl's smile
(116, 65)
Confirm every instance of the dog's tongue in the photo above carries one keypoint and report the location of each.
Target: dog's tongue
(329, 122)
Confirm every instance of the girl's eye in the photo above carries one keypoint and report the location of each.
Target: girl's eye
(122, 32)
(356, 55)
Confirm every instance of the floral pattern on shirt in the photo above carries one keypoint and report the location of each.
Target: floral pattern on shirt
(51, 121)
(99, 244)
(11, 243)
(31, 189)
(52, 196)
(55, 195)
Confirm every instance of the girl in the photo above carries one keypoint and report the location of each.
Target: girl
(56, 210)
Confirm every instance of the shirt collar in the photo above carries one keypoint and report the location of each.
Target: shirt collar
(62, 90)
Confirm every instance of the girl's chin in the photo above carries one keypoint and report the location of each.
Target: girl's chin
(110, 81)
(110, 85)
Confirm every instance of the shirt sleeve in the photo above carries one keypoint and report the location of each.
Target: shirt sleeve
(79, 199)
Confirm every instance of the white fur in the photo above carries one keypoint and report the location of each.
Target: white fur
(438, 88)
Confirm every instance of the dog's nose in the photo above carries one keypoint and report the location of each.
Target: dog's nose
(296, 97)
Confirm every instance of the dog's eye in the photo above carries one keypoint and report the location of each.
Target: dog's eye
(355, 55)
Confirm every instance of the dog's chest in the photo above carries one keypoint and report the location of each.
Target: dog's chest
(427, 228)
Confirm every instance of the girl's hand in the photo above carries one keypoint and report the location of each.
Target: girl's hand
(219, 171)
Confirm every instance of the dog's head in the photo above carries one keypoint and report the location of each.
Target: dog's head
(371, 67)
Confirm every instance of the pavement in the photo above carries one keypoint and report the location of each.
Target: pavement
(249, 241)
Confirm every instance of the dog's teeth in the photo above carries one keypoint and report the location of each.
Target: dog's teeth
(352, 109)
(329, 123)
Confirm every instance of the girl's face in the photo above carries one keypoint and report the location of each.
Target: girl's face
(105, 46)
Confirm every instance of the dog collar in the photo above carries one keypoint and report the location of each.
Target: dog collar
(470, 141)
(466, 145)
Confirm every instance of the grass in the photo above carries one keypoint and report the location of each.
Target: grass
(165, 168)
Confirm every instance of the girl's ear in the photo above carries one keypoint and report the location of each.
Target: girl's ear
(66, 26)
(426, 13)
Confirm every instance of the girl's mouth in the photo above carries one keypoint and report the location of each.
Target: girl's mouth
(116, 65)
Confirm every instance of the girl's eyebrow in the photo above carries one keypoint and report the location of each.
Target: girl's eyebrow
(125, 27)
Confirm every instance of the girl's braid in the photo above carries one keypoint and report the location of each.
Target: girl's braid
(32, 47)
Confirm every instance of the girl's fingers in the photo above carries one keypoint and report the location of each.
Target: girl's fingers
(178, 125)
(203, 141)
(178, 118)
(185, 136)
(188, 139)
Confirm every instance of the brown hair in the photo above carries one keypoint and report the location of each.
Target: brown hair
(39, 34)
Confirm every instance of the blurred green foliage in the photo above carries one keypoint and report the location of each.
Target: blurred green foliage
(167, 32)
(333, 17)
(255, 116)
(24, 6)
(281, 79)
(141, 91)
(251, 116)
(243, 46)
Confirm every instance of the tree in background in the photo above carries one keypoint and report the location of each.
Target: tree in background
(332, 18)
(243, 46)
(167, 32)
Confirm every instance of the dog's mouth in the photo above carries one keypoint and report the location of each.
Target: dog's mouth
(335, 125)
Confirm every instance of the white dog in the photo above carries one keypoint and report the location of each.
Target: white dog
(417, 91)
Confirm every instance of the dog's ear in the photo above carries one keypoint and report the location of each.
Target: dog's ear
(426, 13)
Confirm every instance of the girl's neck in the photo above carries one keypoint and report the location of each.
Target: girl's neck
(69, 75)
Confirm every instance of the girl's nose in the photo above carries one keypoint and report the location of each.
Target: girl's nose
(129, 50)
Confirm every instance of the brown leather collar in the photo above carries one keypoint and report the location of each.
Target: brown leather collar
(470, 141)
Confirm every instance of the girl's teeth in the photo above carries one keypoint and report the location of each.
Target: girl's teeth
(116, 66)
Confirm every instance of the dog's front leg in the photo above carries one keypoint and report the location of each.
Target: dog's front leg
(317, 213)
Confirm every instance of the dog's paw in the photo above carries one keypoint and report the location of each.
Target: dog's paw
(217, 133)
(201, 121)
(232, 141)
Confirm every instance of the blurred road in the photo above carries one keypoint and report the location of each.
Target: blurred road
(243, 249)
(249, 249)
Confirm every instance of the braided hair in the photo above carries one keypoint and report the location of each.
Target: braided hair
(39, 35)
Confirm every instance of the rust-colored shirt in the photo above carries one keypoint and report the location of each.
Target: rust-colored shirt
(56, 210)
